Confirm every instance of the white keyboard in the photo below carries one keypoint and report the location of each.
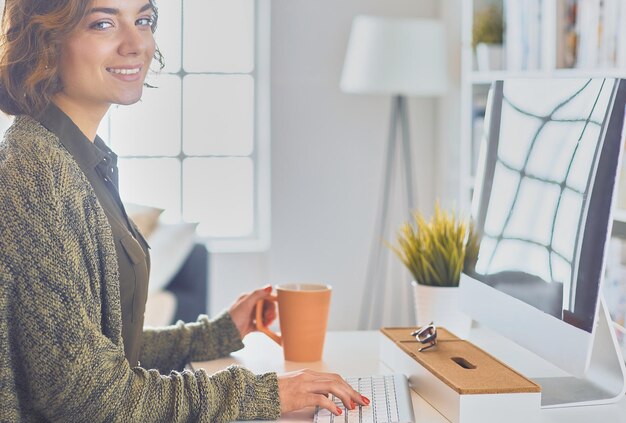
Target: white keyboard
(390, 402)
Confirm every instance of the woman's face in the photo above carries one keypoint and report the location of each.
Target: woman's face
(106, 58)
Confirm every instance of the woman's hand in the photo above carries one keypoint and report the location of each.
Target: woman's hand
(304, 388)
(243, 311)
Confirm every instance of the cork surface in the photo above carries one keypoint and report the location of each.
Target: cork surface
(461, 365)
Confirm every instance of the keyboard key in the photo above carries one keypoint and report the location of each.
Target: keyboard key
(323, 416)
(353, 416)
(380, 410)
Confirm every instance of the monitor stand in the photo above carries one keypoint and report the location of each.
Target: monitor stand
(605, 380)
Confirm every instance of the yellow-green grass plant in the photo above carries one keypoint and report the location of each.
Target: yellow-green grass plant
(488, 26)
(437, 251)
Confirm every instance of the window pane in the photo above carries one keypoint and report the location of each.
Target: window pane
(152, 182)
(218, 36)
(151, 127)
(218, 115)
(219, 193)
(168, 34)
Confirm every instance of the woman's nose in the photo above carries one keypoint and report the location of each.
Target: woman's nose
(134, 41)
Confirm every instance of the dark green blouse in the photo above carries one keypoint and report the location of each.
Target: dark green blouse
(99, 164)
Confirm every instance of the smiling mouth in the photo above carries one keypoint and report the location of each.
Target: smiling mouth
(124, 71)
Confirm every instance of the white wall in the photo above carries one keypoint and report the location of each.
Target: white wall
(448, 145)
(327, 156)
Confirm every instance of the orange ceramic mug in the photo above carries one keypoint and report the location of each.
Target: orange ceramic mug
(303, 315)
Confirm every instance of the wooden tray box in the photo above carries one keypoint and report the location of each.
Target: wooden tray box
(460, 380)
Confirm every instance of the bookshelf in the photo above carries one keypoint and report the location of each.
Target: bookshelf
(540, 38)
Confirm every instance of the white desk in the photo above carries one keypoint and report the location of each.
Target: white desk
(357, 354)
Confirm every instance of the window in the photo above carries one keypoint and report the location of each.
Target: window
(197, 145)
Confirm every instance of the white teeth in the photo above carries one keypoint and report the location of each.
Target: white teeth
(123, 71)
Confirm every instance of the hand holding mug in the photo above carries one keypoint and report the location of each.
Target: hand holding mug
(243, 311)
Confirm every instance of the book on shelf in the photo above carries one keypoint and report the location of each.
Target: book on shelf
(566, 36)
(522, 36)
(608, 32)
(591, 34)
(621, 39)
(588, 29)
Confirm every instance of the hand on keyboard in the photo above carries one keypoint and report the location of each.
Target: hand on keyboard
(305, 388)
(391, 402)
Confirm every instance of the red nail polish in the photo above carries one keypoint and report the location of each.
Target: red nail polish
(268, 288)
(339, 412)
(365, 400)
(352, 405)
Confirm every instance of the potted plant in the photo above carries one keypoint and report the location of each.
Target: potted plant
(487, 38)
(436, 252)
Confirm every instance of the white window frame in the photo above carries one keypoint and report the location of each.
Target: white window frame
(260, 239)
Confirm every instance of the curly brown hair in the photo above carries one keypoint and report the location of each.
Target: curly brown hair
(33, 32)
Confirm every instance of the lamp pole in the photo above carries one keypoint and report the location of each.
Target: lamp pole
(374, 293)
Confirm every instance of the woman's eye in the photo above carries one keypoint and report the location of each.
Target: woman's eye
(145, 21)
(100, 25)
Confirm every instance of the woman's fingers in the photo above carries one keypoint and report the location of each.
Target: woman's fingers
(243, 310)
(345, 392)
(308, 388)
(269, 312)
(348, 396)
(323, 401)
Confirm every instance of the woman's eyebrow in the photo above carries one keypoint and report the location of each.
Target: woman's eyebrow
(113, 11)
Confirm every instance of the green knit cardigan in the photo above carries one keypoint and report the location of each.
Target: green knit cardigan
(61, 350)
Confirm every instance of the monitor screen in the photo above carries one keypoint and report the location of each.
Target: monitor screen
(536, 202)
(542, 209)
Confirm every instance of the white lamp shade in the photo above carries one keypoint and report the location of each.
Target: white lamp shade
(395, 56)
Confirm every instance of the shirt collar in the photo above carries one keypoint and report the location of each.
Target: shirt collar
(108, 155)
(86, 153)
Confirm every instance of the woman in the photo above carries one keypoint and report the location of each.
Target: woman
(74, 268)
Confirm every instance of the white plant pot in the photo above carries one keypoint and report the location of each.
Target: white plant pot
(489, 57)
(439, 304)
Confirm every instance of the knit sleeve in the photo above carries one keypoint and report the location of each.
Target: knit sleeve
(63, 367)
(174, 346)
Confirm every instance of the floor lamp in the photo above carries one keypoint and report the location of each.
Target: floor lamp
(398, 58)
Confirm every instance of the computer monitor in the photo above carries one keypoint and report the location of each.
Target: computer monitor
(542, 210)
